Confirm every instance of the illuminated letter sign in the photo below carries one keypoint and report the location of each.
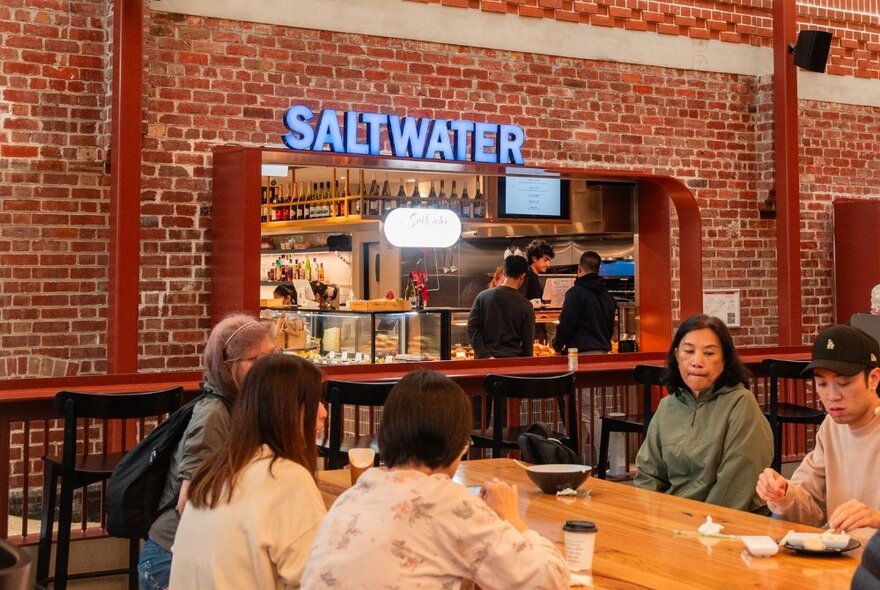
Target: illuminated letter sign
(422, 228)
(408, 137)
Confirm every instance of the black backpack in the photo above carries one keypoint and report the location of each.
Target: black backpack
(536, 446)
(137, 482)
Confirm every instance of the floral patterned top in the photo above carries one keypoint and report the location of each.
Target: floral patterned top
(403, 529)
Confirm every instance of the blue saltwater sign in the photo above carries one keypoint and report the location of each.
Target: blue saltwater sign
(409, 137)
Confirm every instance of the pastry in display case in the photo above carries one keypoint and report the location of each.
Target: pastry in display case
(354, 337)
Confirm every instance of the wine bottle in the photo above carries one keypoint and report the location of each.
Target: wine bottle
(479, 205)
(442, 199)
(401, 195)
(465, 203)
(307, 269)
(454, 203)
(432, 197)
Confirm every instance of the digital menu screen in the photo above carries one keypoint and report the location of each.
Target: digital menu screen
(526, 197)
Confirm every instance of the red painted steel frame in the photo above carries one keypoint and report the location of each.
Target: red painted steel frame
(786, 172)
(125, 186)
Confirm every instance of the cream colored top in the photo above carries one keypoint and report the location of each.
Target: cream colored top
(842, 467)
(260, 539)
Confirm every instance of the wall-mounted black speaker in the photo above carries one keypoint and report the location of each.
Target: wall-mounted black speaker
(811, 50)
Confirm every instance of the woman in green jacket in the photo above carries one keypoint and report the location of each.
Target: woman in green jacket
(709, 440)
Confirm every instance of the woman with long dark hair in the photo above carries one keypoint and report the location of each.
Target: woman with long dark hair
(254, 507)
(234, 344)
(709, 440)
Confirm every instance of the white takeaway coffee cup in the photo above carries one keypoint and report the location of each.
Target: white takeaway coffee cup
(580, 541)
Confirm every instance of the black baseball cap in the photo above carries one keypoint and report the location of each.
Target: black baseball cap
(844, 350)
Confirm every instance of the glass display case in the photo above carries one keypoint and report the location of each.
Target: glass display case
(461, 348)
(355, 337)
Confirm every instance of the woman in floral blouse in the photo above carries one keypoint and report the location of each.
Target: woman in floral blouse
(407, 525)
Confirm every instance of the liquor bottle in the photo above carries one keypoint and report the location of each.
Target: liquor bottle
(454, 202)
(374, 208)
(321, 276)
(264, 192)
(307, 269)
(479, 205)
(442, 199)
(276, 198)
(285, 210)
(465, 203)
(401, 195)
(387, 202)
(314, 273)
(432, 197)
(283, 267)
(416, 194)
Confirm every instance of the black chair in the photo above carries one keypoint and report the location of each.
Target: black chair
(501, 388)
(15, 568)
(338, 395)
(649, 377)
(781, 413)
(77, 469)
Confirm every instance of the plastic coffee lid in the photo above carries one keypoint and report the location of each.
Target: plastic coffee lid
(580, 526)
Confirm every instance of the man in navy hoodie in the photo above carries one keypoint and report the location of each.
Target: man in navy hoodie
(587, 319)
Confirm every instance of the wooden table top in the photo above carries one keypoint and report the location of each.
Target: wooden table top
(636, 546)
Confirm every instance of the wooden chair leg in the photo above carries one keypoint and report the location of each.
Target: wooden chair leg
(62, 548)
(602, 463)
(47, 522)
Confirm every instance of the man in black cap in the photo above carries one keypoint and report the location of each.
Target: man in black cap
(837, 482)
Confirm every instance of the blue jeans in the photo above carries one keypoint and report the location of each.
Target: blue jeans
(154, 566)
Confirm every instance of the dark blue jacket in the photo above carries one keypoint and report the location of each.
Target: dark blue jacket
(867, 575)
(587, 318)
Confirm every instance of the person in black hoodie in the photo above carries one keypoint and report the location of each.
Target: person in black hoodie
(587, 319)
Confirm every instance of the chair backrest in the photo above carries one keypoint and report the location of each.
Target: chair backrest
(523, 387)
(15, 568)
(649, 377)
(777, 369)
(559, 387)
(351, 393)
(109, 406)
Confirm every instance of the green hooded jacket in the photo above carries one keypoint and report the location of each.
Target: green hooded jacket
(711, 448)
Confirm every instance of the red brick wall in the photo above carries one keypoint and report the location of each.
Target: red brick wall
(53, 201)
(209, 82)
(855, 49)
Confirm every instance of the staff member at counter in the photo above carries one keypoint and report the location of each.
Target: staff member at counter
(539, 254)
(502, 322)
(587, 319)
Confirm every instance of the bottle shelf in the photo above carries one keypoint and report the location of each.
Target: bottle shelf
(368, 198)
(311, 250)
